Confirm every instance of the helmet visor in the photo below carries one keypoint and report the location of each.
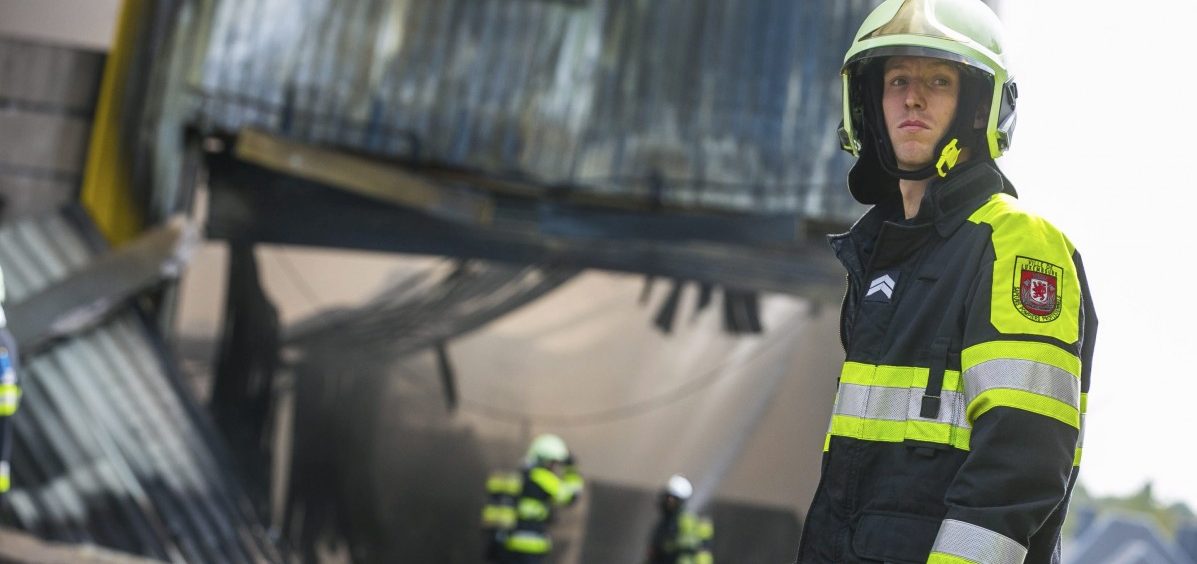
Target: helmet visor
(915, 51)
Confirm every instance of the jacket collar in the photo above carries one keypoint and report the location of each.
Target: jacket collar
(949, 202)
(946, 206)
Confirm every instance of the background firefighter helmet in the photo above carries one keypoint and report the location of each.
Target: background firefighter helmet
(679, 487)
(966, 32)
(545, 449)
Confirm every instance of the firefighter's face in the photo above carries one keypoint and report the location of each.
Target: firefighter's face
(919, 101)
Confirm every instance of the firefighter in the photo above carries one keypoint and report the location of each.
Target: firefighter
(549, 480)
(967, 324)
(680, 537)
(10, 393)
(498, 515)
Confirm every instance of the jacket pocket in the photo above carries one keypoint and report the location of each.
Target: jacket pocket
(894, 537)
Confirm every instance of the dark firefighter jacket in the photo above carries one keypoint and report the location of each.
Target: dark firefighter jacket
(956, 431)
(10, 393)
(540, 492)
(681, 537)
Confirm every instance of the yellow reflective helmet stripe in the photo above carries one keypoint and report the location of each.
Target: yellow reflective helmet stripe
(958, 541)
(1025, 243)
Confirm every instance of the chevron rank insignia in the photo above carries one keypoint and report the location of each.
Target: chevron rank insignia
(1036, 289)
(881, 288)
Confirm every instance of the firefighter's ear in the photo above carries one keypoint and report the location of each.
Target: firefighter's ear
(981, 117)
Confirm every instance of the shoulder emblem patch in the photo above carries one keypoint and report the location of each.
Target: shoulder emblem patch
(1036, 289)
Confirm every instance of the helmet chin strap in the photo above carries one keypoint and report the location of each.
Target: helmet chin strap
(948, 158)
(949, 155)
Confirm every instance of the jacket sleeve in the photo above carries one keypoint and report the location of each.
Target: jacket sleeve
(10, 396)
(1021, 367)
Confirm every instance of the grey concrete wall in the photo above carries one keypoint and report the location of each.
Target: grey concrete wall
(47, 99)
(86, 24)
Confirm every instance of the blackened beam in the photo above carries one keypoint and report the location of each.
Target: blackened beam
(365, 177)
(255, 204)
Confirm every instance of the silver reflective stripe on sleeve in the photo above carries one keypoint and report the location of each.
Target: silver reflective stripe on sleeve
(976, 544)
(896, 404)
(1080, 439)
(1026, 375)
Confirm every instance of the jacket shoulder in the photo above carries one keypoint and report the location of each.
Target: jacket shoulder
(1034, 284)
(1020, 228)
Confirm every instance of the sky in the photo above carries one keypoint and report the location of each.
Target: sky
(1101, 147)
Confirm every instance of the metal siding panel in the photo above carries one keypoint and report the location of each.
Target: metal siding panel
(734, 104)
(117, 457)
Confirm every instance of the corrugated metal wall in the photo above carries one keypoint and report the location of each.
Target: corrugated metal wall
(733, 104)
(108, 448)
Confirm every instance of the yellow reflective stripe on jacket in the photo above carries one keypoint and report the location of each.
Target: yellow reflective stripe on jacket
(10, 398)
(532, 509)
(1023, 384)
(1021, 350)
(498, 517)
(883, 403)
(898, 431)
(706, 529)
(550, 483)
(1020, 235)
(572, 484)
(1080, 439)
(504, 483)
(4, 479)
(528, 542)
(1035, 377)
(965, 542)
(894, 376)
